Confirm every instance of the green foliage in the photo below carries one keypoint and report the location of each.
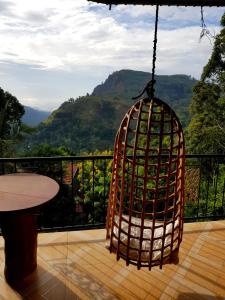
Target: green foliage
(206, 131)
(93, 181)
(215, 68)
(82, 201)
(88, 124)
(222, 21)
(45, 150)
(209, 199)
(176, 90)
(11, 112)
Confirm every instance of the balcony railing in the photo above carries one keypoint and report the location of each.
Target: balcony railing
(84, 186)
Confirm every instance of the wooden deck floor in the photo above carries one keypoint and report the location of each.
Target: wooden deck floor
(76, 265)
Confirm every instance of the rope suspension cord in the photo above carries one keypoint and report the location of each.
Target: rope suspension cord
(150, 86)
(152, 90)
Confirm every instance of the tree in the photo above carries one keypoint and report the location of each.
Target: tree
(11, 112)
(93, 181)
(206, 131)
(46, 150)
(215, 69)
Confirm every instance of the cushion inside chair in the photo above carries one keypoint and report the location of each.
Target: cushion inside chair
(161, 240)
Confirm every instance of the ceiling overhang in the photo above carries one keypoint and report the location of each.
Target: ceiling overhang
(164, 2)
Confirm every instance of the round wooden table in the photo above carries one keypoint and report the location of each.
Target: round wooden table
(20, 195)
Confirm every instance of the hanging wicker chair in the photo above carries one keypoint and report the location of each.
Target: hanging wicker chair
(146, 200)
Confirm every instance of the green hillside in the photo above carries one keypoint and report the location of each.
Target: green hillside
(89, 123)
(176, 90)
(85, 124)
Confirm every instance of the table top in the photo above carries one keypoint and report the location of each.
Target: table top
(21, 191)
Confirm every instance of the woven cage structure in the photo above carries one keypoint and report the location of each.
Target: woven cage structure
(146, 200)
(164, 2)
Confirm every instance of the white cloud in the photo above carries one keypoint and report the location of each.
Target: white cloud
(171, 13)
(68, 36)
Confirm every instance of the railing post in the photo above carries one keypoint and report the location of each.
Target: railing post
(211, 189)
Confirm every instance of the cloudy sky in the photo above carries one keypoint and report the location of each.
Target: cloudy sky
(52, 50)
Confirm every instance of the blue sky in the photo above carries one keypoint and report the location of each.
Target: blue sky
(52, 50)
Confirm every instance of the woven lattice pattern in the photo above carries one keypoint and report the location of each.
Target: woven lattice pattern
(145, 212)
(165, 2)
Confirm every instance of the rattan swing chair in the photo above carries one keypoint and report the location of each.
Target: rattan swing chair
(146, 200)
(145, 212)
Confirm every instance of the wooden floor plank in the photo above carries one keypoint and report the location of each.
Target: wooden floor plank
(76, 265)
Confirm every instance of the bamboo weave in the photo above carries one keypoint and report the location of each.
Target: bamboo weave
(146, 200)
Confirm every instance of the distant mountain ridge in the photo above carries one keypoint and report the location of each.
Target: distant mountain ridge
(33, 117)
(176, 90)
(125, 83)
(90, 123)
(128, 83)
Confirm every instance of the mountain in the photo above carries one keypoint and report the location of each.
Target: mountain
(85, 124)
(90, 123)
(176, 90)
(33, 117)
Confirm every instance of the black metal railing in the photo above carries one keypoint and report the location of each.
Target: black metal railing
(84, 187)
